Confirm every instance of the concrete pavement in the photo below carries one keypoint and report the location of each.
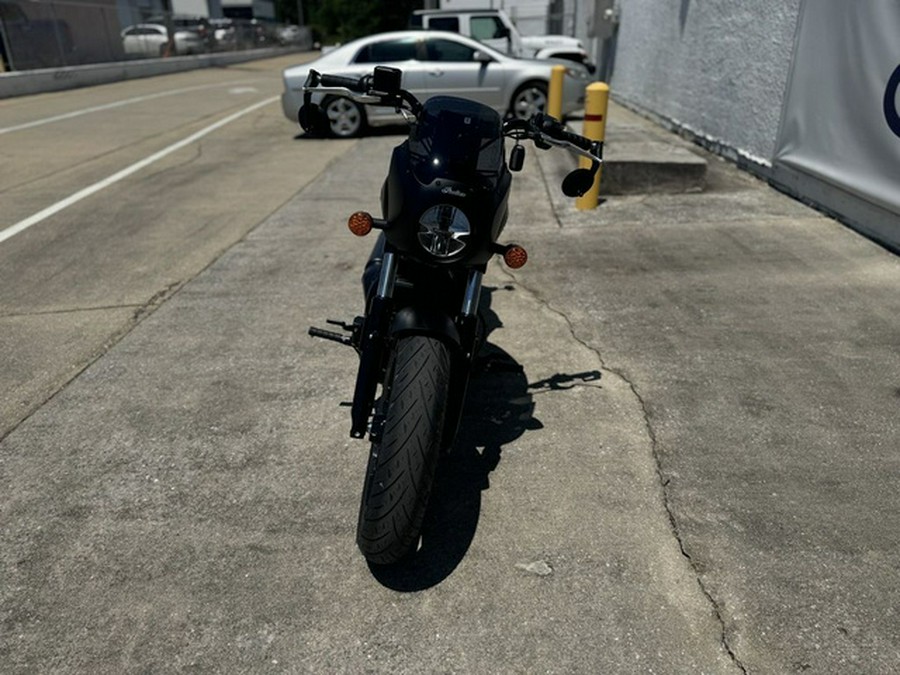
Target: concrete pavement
(762, 340)
(694, 471)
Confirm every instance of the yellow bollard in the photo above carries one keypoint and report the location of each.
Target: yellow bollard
(596, 101)
(555, 92)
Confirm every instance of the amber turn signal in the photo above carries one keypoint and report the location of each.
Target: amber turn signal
(360, 223)
(515, 256)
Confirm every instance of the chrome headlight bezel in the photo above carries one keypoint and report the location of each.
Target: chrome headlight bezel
(443, 231)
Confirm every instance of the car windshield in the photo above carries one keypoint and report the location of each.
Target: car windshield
(456, 139)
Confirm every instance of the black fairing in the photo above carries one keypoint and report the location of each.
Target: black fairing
(454, 156)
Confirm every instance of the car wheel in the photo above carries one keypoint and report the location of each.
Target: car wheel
(345, 117)
(530, 98)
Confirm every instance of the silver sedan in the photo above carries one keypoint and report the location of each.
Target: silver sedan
(433, 63)
(150, 39)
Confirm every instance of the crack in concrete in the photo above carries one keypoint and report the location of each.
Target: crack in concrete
(67, 310)
(551, 390)
(141, 312)
(654, 449)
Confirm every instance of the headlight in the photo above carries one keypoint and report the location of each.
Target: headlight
(443, 230)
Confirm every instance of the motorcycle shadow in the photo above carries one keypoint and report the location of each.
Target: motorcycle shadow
(499, 409)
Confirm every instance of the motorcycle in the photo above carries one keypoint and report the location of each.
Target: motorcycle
(444, 205)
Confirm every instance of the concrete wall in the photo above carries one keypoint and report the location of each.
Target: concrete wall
(716, 68)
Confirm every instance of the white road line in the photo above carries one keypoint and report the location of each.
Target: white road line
(22, 225)
(115, 104)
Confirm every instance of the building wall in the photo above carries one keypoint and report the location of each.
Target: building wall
(247, 9)
(715, 67)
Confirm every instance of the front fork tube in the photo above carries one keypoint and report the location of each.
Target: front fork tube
(469, 339)
(371, 349)
(373, 342)
(468, 316)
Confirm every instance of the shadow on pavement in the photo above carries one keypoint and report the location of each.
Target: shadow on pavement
(499, 410)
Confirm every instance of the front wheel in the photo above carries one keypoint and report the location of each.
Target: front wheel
(403, 462)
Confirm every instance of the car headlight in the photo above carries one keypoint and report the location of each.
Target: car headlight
(443, 230)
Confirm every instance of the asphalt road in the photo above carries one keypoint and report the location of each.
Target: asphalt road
(694, 470)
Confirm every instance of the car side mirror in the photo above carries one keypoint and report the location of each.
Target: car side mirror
(481, 57)
(578, 182)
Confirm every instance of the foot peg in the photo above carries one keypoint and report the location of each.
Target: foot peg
(354, 329)
(330, 335)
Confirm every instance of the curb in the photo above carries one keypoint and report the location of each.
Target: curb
(640, 157)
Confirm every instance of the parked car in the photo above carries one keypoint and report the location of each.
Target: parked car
(196, 24)
(433, 63)
(233, 34)
(299, 36)
(225, 34)
(149, 40)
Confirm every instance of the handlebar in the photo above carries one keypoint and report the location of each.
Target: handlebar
(360, 85)
(555, 129)
(363, 89)
(542, 128)
(546, 130)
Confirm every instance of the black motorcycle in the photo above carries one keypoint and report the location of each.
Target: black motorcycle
(444, 205)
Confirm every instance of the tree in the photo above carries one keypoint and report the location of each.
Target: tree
(286, 11)
(343, 20)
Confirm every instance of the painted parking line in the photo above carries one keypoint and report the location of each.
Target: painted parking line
(23, 225)
(118, 104)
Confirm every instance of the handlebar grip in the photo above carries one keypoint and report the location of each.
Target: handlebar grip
(576, 140)
(351, 83)
(550, 126)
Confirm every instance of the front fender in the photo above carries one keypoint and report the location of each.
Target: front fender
(425, 321)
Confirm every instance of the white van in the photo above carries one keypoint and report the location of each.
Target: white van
(494, 28)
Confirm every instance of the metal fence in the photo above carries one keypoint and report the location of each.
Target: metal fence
(51, 34)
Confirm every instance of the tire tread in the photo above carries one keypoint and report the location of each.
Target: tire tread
(401, 469)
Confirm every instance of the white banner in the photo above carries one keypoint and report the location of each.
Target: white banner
(841, 122)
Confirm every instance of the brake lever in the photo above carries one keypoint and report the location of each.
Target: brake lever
(595, 154)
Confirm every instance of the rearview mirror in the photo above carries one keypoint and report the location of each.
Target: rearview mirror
(311, 118)
(517, 158)
(387, 80)
(578, 182)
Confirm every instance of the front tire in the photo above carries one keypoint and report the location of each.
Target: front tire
(403, 462)
(345, 118)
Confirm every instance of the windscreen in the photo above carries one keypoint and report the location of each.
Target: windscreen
(456, 139)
